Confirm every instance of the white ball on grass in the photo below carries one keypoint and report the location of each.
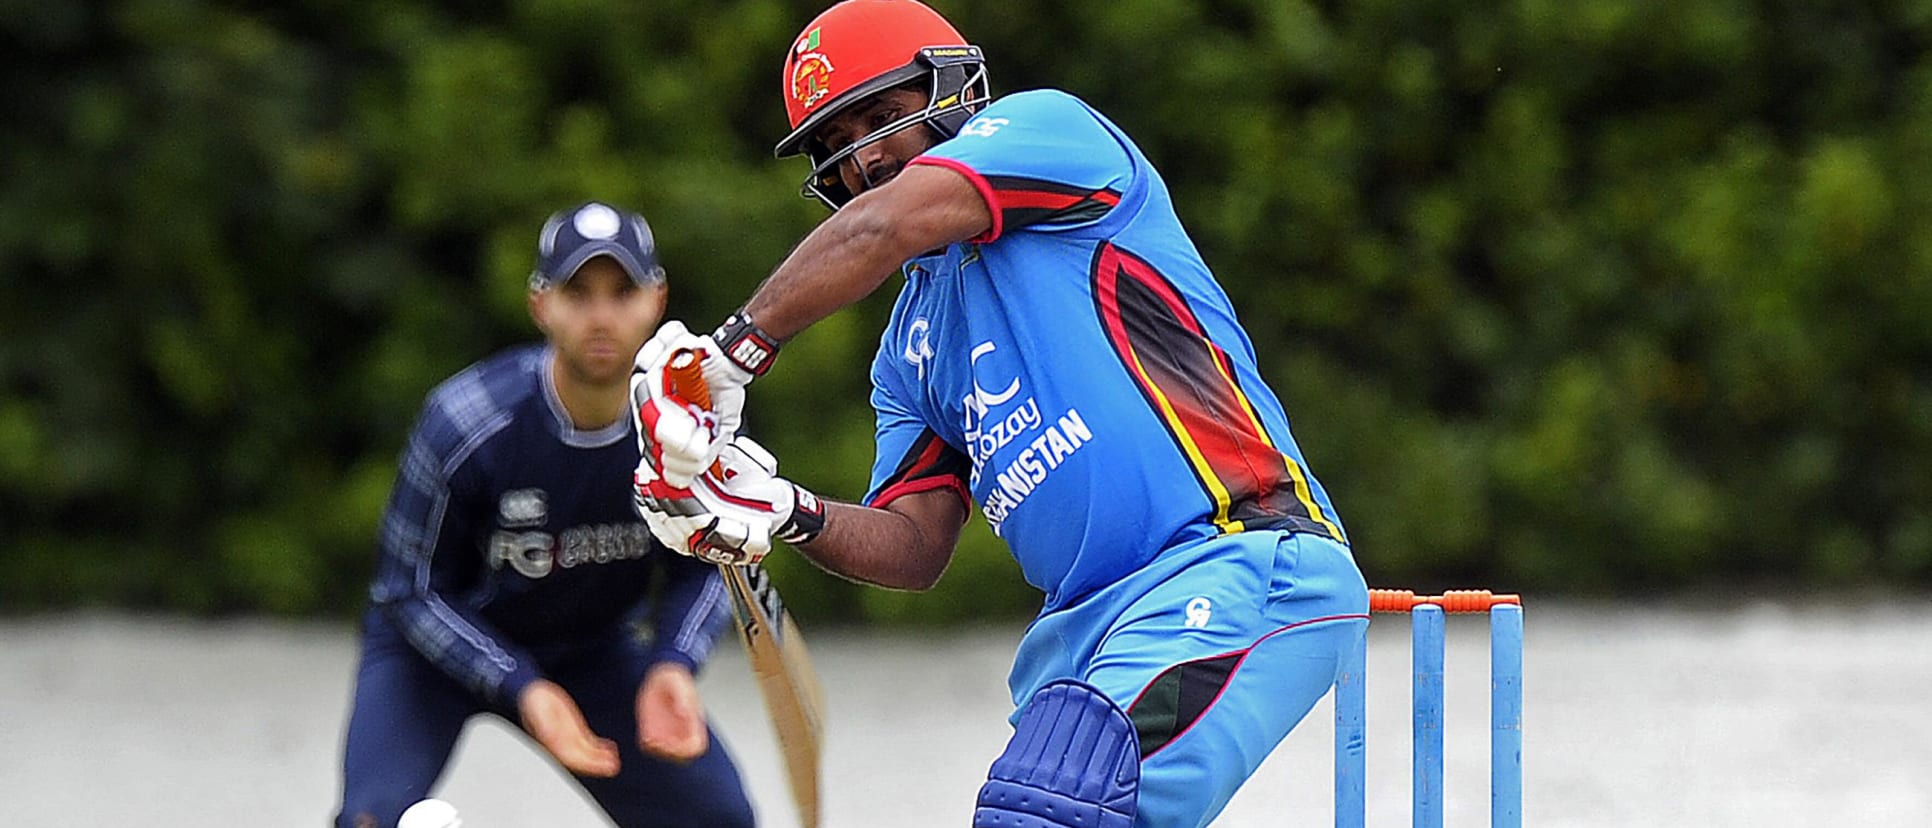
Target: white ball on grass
(430, 813)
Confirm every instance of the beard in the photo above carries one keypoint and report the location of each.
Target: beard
(602, 362)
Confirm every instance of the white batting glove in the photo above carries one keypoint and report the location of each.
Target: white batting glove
(685, 524)
(730, 514)
(681, 440)
(747, 476)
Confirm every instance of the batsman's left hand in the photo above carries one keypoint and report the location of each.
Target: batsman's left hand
(680, 439)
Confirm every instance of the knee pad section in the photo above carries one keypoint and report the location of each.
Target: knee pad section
(1074, 762)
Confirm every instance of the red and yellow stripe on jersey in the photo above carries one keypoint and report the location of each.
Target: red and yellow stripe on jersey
(1191, 384)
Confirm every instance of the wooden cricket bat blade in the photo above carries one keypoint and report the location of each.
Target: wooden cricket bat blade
(785, 678)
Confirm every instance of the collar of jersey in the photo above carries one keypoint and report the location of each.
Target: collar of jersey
(566, 431)
(928, 264)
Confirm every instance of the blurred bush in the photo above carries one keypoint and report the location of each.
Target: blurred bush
(1560, 297)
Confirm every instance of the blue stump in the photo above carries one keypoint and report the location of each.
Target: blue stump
(1506, 716)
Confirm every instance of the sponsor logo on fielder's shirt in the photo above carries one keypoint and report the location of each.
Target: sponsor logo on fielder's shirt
(523, 507)
(537, 554)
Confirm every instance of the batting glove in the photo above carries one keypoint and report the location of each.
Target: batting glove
(678, 438)
(731, 513)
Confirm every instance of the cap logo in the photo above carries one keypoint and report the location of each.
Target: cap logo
(811, 78)
(595, 221)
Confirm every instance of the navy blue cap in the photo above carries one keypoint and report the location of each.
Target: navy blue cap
(578, 234)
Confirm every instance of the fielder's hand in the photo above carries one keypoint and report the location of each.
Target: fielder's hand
(552, 717)
(670, 720)
(680, 439)
(730, 514)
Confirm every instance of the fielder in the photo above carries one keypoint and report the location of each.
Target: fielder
(512, 568)
(1060, 354)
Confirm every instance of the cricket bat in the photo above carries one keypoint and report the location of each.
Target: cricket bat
(772, 642)
(785, 676)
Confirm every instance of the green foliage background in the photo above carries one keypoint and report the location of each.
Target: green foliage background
(1562, 297)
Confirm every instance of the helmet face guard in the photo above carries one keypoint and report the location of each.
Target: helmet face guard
(957, 88)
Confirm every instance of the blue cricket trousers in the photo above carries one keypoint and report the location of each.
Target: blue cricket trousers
(407, 716)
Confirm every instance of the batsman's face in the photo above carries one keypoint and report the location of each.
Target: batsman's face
(879, 161)
(598, 319)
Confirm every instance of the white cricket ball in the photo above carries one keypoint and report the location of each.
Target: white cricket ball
(430, 813)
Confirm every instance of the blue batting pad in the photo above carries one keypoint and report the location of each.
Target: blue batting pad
(1074, 762)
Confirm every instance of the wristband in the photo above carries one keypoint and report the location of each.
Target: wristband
(807, 520)
(745, 344)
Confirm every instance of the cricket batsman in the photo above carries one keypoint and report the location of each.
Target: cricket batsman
(1061, 355)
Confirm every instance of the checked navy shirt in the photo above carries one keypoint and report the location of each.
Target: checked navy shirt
(510, 536)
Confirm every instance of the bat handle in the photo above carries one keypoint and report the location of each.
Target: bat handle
(686, 372)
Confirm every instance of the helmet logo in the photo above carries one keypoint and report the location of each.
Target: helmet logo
(811, 78)
(811, 70)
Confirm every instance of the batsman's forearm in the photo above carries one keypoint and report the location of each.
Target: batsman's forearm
(881, 547)
(842, 261)
(925, 208)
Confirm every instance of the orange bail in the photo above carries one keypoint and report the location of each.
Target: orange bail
(1455, 600)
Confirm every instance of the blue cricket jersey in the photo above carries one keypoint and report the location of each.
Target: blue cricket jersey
(1077, 368)
(510, 537)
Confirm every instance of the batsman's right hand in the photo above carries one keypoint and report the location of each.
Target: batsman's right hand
(731, 514)
(678, 439)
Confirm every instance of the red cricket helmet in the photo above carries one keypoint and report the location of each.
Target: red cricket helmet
(859, 48)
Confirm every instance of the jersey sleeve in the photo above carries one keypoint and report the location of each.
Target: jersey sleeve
(908, 456)
(1042, 160)
(429, 553)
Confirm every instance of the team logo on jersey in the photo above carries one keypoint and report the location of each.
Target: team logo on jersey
(919, 345)
(811, 71)
(523, 507)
